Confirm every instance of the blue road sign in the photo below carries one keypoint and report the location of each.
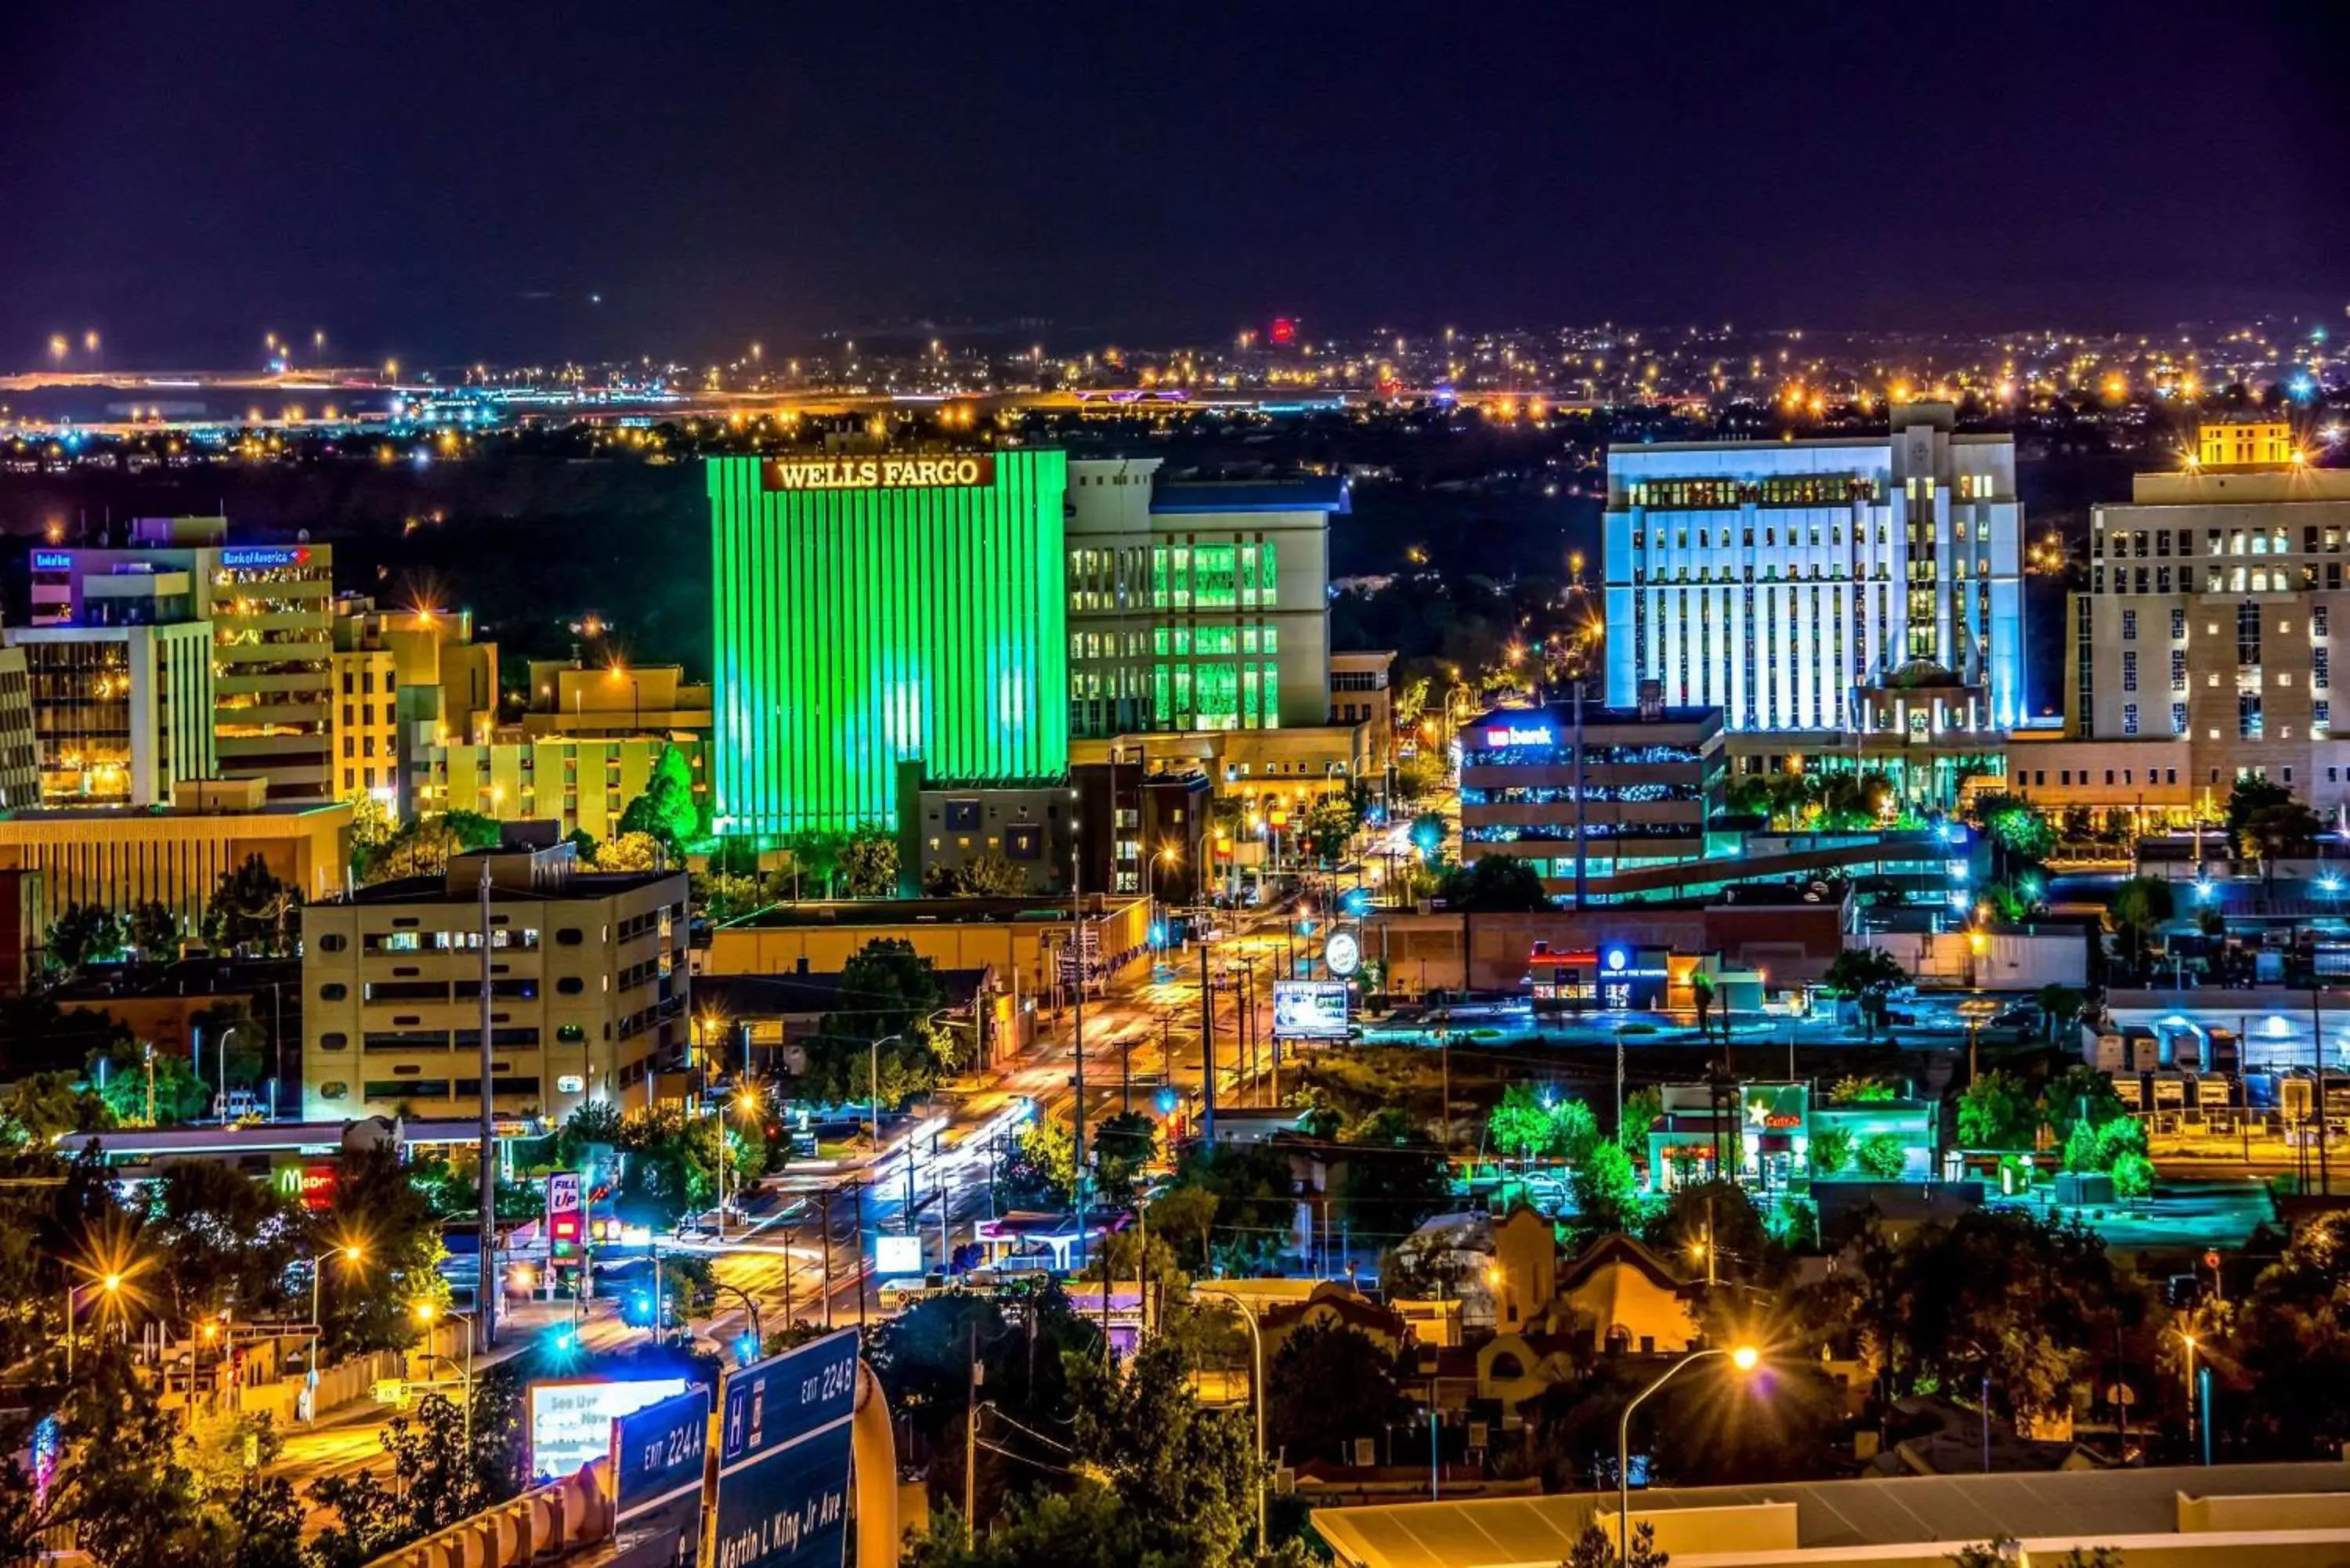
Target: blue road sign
(782, 1456)
(658, 1453)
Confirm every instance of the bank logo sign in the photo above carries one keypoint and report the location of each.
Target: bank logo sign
(949, 471)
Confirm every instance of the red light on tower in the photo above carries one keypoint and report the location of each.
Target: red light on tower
(1282, 332)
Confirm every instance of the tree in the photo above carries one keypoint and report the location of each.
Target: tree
(667, 811)
(816, 858)
(2280, 831)
(1392, 1182)
(2139, 905)
(37, 1107)
(1521, 1124)
(1184, 1216)
(227, 1242)
(83, 934)
(425, 845)
(1123, 1145)
(123, 1074)
(2250, 796)
(1602, 1187)
(1328, 1384)
(868, 863)
(1043, 1169)
(1331, 823)
(1868, 975)
(1642, 1106)
(2080, 1093)
(1713, 1213)
(1850, 1090)
(1595, 1548)
(365, 1304)
(987, 875)
(1421, 775)
(1996, 1111)
(1186, 1475)
(629, 852)
(152, 929)
(1832, 1151)
(250, 907)
(1883, 1157)
(1493, 884)
(886, 992)
(121, 1483)
(2061, 1006)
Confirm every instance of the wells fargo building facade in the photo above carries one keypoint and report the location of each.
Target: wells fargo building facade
(877, 610)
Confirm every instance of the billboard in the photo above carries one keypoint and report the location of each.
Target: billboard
(571, 1418)
(656, 1469)
(782, 1456)
(1309, 1009)
(897, 1254)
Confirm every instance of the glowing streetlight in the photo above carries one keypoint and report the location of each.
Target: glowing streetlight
(1744, 1357)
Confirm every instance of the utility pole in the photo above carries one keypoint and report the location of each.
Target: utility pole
(828, 1260)
(2317, 1053)
(1207, 1053)
(488, 1302)
(970, 1442)
(1077, 936)
(860, 1257)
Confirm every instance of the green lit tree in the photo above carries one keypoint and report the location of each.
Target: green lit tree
(1883, 1157)
(1996, 1111)
(667, 810)
(868, 863)
(83, 934)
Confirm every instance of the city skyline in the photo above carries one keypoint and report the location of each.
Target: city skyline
(398, 186)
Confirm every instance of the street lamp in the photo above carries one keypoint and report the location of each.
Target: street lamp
(112, 1283)
(350, 1253)
(1256, 1385)
(425, 1311)
(1745, 1358)
(464, 1381)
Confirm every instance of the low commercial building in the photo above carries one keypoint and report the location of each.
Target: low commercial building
(1578, 790)
(763, 1022)
(116, 857)
(1022, 940)
(589, 989)
(1786, 935)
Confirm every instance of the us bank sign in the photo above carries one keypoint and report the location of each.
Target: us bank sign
(949, 471)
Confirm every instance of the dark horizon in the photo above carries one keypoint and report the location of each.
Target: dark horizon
(528, 185)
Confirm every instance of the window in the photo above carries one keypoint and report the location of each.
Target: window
(2178, 670)
(570, 1034)
(2179, 626)
(334, 990)
(332, 943)
(571, 985)
(2130, 625)
(2129, 672)
(2317, 620)
(334, 1042)
(2129, 727)
(568, 936)
(2247, 716)
(2179, 717)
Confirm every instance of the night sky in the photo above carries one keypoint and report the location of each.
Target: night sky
(439, 182)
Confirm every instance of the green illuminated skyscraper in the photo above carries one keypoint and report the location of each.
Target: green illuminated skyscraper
(876, 609)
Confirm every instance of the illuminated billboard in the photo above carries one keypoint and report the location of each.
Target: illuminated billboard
(571, 1418)
(1309, 1009)
(897, 1254)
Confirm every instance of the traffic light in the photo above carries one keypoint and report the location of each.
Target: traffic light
(746, 1348)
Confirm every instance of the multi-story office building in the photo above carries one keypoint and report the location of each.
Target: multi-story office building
(1783, 581)
(584, 747)
(1646, 790)
(272, 640)
(589, 989)
(20, 752)
(1196, 606)
(2202, 650)
(404, 681)
(121, 714)
(876, 609)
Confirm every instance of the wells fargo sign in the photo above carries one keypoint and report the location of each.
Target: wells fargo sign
(880, 472)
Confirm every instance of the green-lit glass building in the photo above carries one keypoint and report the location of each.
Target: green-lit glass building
(873, 610)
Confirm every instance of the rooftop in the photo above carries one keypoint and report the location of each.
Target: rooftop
(1313, 495)
(2090, 1505)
